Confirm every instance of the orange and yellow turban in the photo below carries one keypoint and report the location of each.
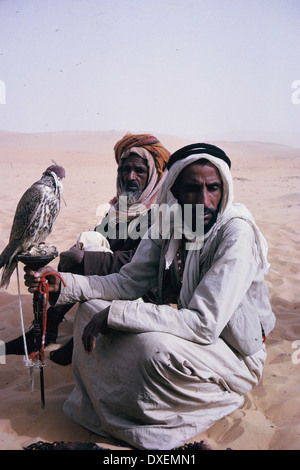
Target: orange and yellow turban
(147, 141)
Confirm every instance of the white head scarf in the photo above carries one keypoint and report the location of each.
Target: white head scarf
(166, 196)
(228, 210)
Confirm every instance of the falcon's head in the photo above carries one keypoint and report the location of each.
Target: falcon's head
(58, 170)
(58, 173)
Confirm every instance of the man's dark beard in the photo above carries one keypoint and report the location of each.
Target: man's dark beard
(206, 228)
(214, 213)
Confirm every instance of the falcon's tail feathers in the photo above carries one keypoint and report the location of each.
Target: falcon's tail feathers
(7, 262)
(6, 274)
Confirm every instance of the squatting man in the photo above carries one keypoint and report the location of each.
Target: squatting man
(158, 374)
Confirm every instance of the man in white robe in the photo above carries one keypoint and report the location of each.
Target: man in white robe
(157, 375)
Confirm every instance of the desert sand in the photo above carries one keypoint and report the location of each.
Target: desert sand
(266, 179)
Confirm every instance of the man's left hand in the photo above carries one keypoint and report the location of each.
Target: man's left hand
(98, 324)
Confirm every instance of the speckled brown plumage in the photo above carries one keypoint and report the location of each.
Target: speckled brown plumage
(34, 218)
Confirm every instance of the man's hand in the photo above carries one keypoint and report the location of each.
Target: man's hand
(71, 261)
(33, 279)
(98, 324)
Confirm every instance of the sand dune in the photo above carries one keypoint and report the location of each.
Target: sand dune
(266, 179)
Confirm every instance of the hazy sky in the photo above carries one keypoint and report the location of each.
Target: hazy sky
(200, 68)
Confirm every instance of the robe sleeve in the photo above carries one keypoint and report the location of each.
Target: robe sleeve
(104, 263)
(134, 280)
(215, 299)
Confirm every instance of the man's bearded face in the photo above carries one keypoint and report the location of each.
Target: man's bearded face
(200, 183)
(134, 177)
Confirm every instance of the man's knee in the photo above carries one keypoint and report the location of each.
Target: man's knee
(87, 310)
(155, 351)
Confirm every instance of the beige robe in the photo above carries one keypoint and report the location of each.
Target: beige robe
(155, 390)
(163, 375)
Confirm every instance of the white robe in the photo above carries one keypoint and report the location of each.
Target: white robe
(155, 390)
(161, 375)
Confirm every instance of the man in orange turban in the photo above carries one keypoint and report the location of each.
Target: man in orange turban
(148, 142)
(137, 152)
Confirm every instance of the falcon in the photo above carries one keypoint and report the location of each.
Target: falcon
(34, 218)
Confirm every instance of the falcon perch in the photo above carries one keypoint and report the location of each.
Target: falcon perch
(34, 218)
